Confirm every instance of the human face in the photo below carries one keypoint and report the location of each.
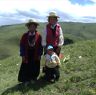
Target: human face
(52, 20)
(32, 27)
(50, 51)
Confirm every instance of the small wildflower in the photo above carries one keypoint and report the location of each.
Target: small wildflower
(80, 57)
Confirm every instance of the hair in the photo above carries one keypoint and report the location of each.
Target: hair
(29, 24)
(50, 17)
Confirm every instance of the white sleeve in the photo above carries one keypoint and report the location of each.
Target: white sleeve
(61, 38)
(44, 37)
(55, 59)
(58, 60)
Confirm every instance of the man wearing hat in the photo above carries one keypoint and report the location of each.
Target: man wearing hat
(53, 33)
(30, 51)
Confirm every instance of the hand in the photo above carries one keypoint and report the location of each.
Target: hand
(50, 61)
(58, 49)
(24, 60)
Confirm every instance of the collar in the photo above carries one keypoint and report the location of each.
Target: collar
(31, 33)
(53, 26)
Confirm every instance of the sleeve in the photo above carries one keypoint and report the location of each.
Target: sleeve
(61, 38)
(22, 47)
(22, 50)
(56, 60)
(44, 33)
(45, 59)
(40, 49)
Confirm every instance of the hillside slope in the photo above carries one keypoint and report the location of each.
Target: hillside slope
(78, 74)
(73, 32)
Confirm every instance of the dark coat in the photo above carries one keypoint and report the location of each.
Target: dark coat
(24, 46)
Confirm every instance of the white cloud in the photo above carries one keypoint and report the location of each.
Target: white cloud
(93, 1)
(24, 9)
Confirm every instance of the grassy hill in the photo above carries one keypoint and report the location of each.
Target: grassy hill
(9, 40)
(73, 32)
(80, 31)
(78, 74)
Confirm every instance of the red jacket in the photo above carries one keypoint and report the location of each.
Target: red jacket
(24, 46)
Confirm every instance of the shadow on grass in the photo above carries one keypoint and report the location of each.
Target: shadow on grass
(21, 88)
(68, 41)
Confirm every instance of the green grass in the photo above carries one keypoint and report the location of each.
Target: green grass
(78, 75)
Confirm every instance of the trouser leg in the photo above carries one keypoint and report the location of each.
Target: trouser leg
(57, 73)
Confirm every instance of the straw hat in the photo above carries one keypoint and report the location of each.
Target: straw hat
(53, 14)
(32, 21)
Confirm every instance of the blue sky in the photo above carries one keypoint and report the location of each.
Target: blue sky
(82, 2)
(19, 11)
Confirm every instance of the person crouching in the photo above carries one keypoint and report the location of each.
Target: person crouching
(52, 64)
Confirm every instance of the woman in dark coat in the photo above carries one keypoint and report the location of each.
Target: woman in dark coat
(30, 51)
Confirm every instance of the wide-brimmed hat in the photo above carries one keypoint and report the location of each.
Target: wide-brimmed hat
(32, 21)
(53, 14)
